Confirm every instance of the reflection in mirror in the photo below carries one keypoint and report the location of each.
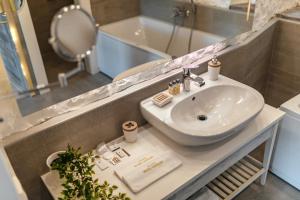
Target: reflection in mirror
(76, 46)
(243, 5)
(134, 36)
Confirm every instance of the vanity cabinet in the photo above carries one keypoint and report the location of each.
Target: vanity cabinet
(201, 166)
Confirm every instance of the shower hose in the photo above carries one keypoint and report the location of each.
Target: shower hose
(191, 32)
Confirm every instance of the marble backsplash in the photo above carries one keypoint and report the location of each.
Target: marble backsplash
(267, 9)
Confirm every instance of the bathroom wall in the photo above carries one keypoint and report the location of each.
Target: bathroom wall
(224, 22)
(219, 21)
(284, 72)
(28, 155)
(10, 189)
(158, 9)
(121, 9)
(108, 11)
(42, 12)
(240, 1)
(218, 3)
(266, 9)
(249, 64)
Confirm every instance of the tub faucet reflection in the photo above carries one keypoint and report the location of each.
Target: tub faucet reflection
(188, 76)
(181, 11)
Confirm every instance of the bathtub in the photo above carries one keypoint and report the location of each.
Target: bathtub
(134, 41)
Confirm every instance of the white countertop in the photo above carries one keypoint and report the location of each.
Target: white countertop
(292, 106)
(196, 160)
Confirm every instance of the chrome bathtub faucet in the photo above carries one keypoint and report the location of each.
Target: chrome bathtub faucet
(181, 11)
(187, 77)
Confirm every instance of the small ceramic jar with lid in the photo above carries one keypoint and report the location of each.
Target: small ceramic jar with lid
(130, 130)
(214, 67)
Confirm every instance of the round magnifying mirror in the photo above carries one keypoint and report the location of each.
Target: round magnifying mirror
(73, 33)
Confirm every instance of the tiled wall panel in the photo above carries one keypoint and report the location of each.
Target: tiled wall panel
(219, 21)
(284, 72)
(108, 11)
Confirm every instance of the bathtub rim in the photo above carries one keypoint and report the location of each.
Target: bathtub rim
(143, 47)
(152, 50)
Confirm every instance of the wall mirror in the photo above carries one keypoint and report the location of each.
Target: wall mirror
(133, 36)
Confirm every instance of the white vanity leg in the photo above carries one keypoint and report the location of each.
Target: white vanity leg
(268, 154)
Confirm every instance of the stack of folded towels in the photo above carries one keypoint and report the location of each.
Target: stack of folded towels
(140, 171)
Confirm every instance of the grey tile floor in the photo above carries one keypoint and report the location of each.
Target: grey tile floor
(275, 189)
(78, 84)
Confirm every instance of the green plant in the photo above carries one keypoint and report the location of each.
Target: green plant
(77, 172)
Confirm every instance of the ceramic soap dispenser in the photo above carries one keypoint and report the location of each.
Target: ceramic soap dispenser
(214, 67)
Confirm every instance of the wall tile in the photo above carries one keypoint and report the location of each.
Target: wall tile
(108, 11)
(218, 21)
(284, 72)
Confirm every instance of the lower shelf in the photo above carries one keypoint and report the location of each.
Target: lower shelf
(236, 178)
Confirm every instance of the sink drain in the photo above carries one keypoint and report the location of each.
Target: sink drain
(202, 117)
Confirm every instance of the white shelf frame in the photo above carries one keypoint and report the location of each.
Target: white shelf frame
(237, 178)
(268, 137)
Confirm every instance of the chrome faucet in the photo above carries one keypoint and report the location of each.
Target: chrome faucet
(181, 11)
(188, 76)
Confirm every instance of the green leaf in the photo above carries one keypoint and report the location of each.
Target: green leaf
(114, 187)
(76, 171)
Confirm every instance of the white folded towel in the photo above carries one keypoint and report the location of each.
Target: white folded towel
(147, 168)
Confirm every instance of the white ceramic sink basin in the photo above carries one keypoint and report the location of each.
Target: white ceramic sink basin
(206, 115)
